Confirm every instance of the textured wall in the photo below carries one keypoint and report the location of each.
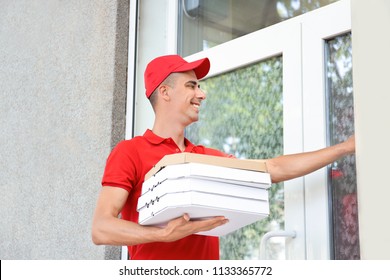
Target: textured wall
(62, 98)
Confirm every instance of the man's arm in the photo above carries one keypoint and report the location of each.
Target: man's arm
(296, 165)
(108, 229)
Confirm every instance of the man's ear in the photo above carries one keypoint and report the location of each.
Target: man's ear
(163, 91)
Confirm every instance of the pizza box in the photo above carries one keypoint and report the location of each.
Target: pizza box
(202, 205)
(183, 184)
(246, 164)
(209, 172)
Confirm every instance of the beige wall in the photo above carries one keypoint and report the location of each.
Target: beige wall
(62, 108)
(371, 74)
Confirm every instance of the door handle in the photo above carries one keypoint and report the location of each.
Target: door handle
(269, 235)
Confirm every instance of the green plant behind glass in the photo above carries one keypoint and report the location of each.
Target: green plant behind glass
(243, 116)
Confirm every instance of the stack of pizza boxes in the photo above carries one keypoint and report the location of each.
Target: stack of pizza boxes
(205, 186)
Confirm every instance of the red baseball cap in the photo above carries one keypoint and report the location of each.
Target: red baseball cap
(161, 67)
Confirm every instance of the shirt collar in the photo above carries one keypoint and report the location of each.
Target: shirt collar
(155, 139)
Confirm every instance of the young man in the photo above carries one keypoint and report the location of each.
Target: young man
(172, 86)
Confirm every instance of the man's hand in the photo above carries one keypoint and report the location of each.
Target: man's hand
(288, 167)
(349, 145)
(183, 226)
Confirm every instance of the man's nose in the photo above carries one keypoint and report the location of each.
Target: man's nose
(201, 94)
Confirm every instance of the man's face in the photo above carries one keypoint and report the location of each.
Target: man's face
(186, 97)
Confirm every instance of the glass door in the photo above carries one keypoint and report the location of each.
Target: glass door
(252, 110)
(243, 116)
(266, 96)
(328, 119)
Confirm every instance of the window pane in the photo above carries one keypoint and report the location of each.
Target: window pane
(342, 175)
(207, 23)
(242, 116)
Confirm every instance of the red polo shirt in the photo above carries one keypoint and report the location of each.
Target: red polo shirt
(126, 167)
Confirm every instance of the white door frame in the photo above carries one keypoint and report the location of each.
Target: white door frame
(318, 26)
(280, 39)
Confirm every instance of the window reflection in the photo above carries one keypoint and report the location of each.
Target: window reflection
(342, 175)
(207, 23)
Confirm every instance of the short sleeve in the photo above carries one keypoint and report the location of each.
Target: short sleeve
(120, 170)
